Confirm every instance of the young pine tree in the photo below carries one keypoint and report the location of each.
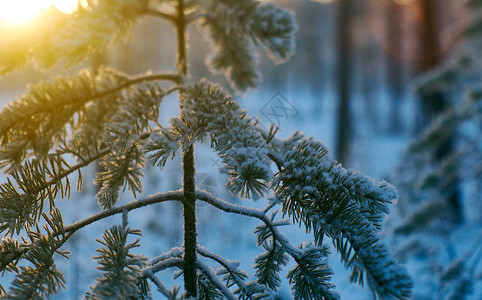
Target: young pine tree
(59, 127)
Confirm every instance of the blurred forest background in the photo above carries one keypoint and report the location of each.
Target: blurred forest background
(392, 87)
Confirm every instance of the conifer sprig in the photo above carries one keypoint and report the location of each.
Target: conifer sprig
(121, 269)
(207, 290)
(311, 277)
(330, 200)
(423, 176)
(119, 171)
(137, 110)
(207, 111)
(41, 278)
(234, 26)
(39, 120)
(268, 235)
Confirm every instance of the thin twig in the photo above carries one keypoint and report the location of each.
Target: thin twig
(160, 286)
(137, 80)
(70, 171)
(72, 228)
(158, 198)
(250, 212)
(227, 265)
(215, 280)
(168, 263)
(160, 14)
(127, 83)
(192, 17)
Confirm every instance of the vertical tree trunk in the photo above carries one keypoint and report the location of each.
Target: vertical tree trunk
(394, 66)
(189, 186)
(190, 232)
(343, 82)
(434, 102)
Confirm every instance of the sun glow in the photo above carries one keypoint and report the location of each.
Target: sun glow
(17, 12)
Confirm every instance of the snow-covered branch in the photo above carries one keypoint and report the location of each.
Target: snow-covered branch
(174, 252)
(172, 258)
(162, 265)
(229, 265)
(160, 286)
(158, 198)
(215, 280)
(250, 212)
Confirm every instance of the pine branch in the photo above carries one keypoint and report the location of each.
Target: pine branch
(37, 122)
(12, 253)
(164, 264)
(138, 80)
(310, 279)
(231, 268)
(160, 286)
(269, 264)
(274, 27)
(19, 109)
(59, 177)
(38, 181)
(249, 212)
(235, 26)
(153, 199)
(328, 199)
(459, 277)
(121, 269)
(119, 170)
(22, 209)
(214, 280)
(430, 179)
(42, 278)
(71, 229)
(207, 290)
(74, 38)
(297, 254)
(161, 14)
(232, 53)
(233, 137)
(170, 259)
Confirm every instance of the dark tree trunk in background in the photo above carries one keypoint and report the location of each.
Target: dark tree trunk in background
(434, 102)
(395, 78)
(343, 81)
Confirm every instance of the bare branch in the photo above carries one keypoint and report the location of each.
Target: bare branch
(70, 171)
(137, 80)
(193, 17)
(158, 198)
(160, 14)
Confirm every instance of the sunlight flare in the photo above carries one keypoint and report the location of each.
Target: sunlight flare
(66, 6)
(23, 11)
